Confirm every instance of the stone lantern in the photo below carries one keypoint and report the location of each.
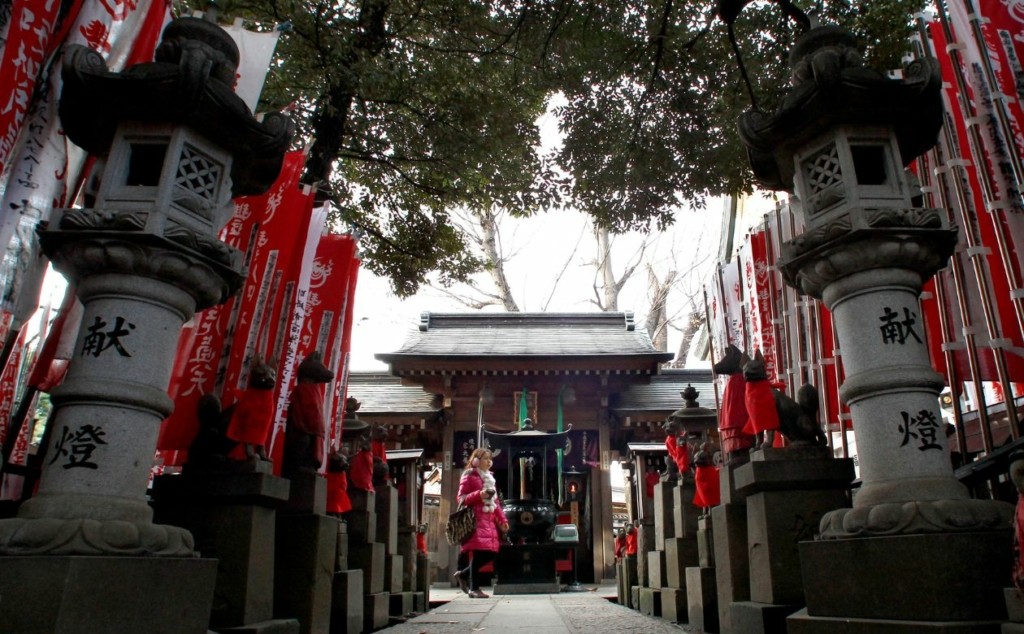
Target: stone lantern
(174, 144)
(914, 548)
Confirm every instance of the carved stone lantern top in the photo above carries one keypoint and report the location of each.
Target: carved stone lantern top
(190, 83)
(832, 88)
(691, 416)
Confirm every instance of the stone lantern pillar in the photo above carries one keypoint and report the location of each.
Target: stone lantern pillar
(914, 547)
(175, 145)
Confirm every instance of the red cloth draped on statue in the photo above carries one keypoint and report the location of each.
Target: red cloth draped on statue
(251, 420)
(361, 470)
(337, 492)
(679, 451)
(734, 416)
(760, 402)
(631, 544)
(709, 491)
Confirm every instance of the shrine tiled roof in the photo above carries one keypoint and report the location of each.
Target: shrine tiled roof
(662, 393)
(379, 393)
(526, 335)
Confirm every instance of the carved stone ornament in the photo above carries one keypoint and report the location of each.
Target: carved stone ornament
(191, 83)
(914, 239)
(928, 516)
(831, 86)
(91, 537)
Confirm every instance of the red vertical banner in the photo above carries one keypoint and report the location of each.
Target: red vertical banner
(29, 41)
(208, 348)
(988, 198)
(761, 303)
(290, 312)
(346, 342)
(10, 489)
(325, 321)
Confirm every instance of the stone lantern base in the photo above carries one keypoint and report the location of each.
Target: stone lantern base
(931, 582)
(119, 595)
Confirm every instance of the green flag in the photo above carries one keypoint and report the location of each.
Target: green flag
(524, 408)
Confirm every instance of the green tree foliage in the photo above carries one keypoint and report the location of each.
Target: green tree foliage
(417, 107)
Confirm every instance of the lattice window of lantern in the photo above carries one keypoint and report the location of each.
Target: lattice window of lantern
(197, 173)
(824, 171)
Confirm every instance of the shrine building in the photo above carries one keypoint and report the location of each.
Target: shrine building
(596, 377)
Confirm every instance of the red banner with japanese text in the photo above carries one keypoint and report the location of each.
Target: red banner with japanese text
(758, 295)
(212, 350)
(981, 202)
(290, 310)
(325, 324)
(10, 489)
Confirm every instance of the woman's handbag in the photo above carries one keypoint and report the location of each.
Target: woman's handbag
(461, 525)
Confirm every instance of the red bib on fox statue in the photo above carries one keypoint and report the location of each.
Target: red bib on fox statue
(733, 416)
(759, 397)
(709, 492)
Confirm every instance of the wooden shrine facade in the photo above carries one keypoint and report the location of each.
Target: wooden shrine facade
(460, 373)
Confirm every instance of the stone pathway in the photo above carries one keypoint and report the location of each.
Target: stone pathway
(575, 613)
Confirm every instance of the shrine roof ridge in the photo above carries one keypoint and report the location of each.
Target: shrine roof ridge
(530, 335)
(430, 320)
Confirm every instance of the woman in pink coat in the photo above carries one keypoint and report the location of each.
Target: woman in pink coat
(477, 491)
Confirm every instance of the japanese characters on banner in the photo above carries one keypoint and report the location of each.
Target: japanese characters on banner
(290, 310)
(41, 168)
(29, 43)
(757, 286)
(330, 294)
(10, 488)
(985, 206)
(216, 350)
(751, 308)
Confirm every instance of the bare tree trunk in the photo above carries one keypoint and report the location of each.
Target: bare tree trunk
(608, 299)
(657, 317)
(690, 328)
(606, 287)
(496, 262)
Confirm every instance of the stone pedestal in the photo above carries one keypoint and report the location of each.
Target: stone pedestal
(393, 565)
(308, 493)
(788, 491)
(680, 554)
(423, 576)
(375, 611)
(401, 603)
(674, 605)
(705, 543)
(702, 599)
(748, 617)
(732, 561)
(684, 513)
(407, 549)
(233, 518)
(387, 517)
(656, 569)
(644, 545)
(82, 595)
(934, 593)
(732, 572)
(664, 513)
(650, 601)
(341, 560)
(304, 571)
(631, 581)
(370, 559)
(362, 517)
(347, 602)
